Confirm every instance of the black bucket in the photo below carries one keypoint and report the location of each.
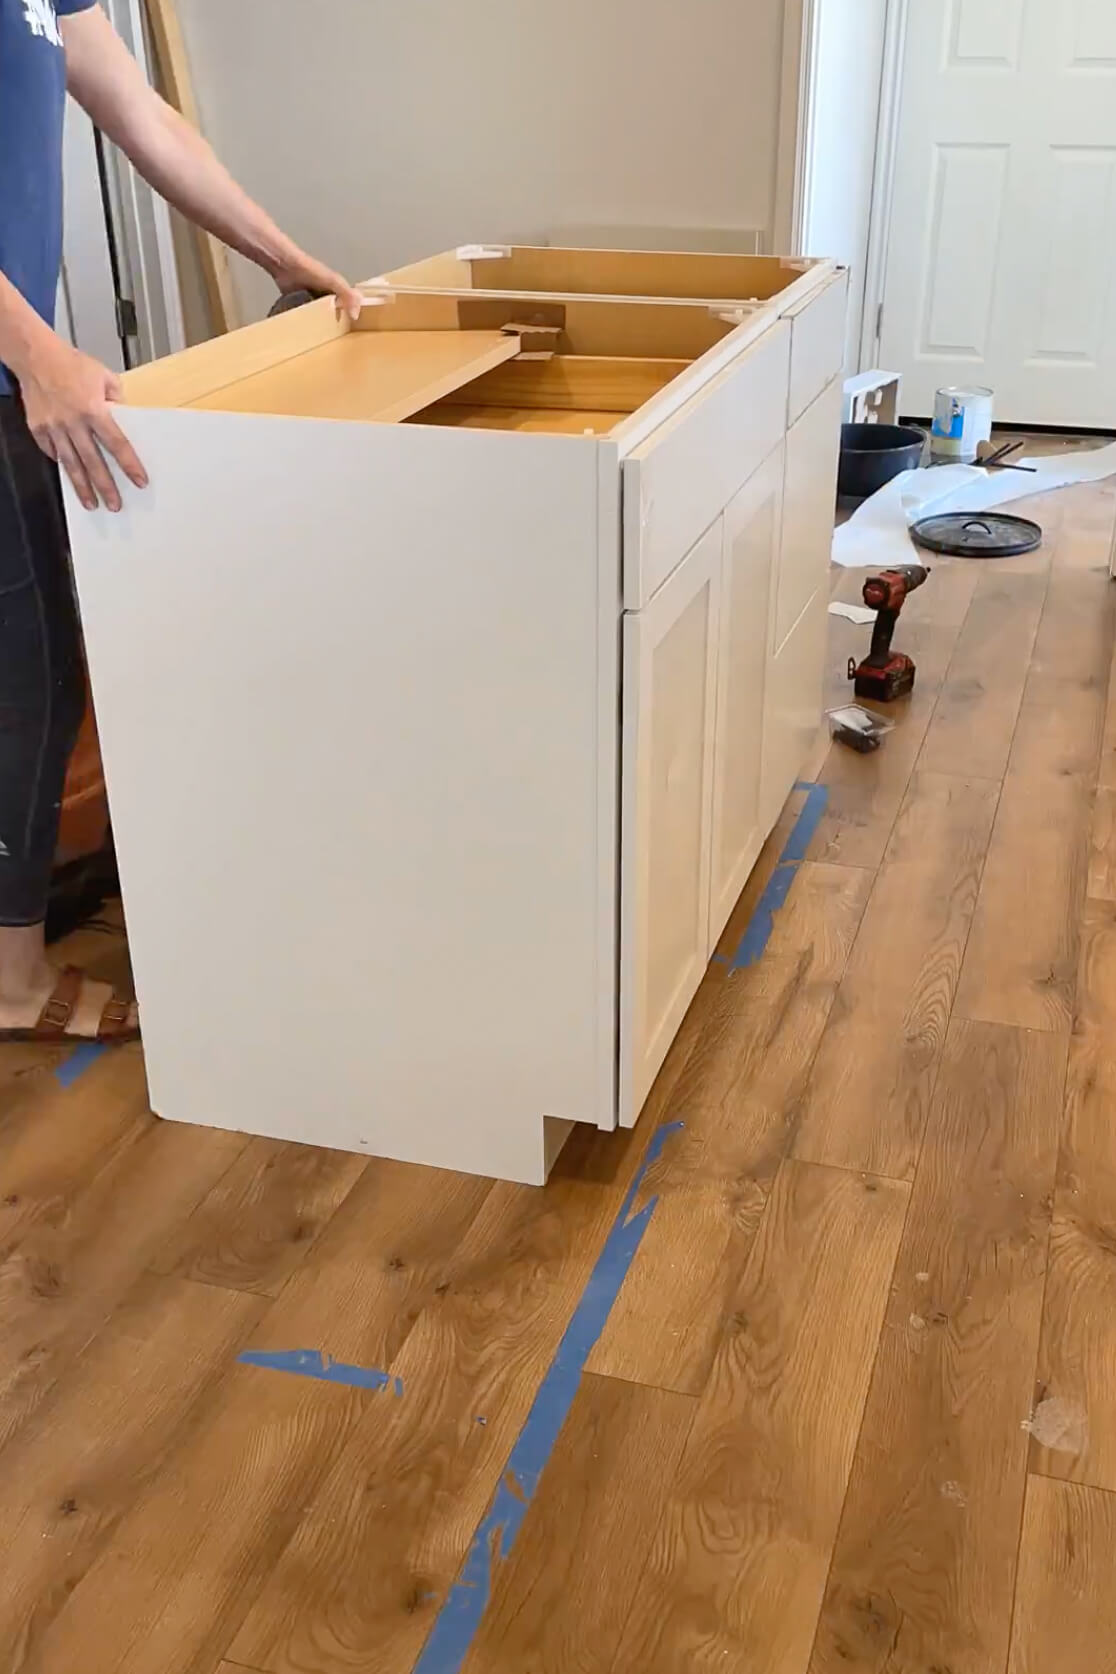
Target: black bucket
(871, 454)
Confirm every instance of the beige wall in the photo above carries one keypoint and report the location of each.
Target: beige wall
(377, 131)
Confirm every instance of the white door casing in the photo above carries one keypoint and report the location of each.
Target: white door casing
(1001, 264)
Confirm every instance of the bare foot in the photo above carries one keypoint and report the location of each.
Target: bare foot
(22, 1009)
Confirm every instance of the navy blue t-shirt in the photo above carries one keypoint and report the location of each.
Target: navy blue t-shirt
(32, 103)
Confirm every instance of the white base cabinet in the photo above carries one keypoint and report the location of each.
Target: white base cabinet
(450, 676)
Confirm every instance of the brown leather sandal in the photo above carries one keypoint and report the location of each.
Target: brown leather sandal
(113, 1028)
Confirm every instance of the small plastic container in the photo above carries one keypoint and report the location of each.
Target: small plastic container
(858, 728)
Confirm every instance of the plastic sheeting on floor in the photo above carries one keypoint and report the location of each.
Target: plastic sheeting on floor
(876, 535)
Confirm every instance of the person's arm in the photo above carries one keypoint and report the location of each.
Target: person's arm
(107, 82)
(66, 398)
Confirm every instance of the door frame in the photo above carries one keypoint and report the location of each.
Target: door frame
(883, 184)
(795, 162)
(118, 233)
(795, 148)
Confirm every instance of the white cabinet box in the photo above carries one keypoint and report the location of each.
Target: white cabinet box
(450, 675)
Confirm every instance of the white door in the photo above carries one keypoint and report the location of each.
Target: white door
(1002, 252)
(753, 527)
(669, 715)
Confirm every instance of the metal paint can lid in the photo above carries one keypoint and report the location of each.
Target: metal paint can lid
(969, 535)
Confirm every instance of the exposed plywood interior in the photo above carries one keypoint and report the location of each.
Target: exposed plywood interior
(381, 376)
(607, 384)
(589, 326)
(192, 373)
(629, 273)
(550, 421)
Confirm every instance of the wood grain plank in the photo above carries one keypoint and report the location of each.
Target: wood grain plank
(1101, 883)
(383, 1257)
(924, 1567)
(167, 1593)
(738, 1098)
(1106, 777)
(1074, 1426)
(1021, 961)
(261, 1218)
(974, 722)
(561, 1599)
(61, 1282)
(55, 1139)
(1065, 1617)
(73, 1472)
(869, 1090)
(270, 1439)
(374, 1558)
(737, 1570)
(1062, 716)
(867, 792)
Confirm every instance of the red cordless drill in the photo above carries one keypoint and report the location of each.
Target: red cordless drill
(885, 674)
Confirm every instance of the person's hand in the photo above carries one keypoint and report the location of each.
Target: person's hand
(66, 398)
(301, 272)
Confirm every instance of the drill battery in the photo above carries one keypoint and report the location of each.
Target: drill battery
(895, 679)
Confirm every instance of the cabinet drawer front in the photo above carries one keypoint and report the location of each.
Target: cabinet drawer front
(811, 497)
(751, 549)
(684, 475)
(670, 664)
(793, 706)
(817, 343)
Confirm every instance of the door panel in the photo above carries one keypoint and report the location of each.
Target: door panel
(810, 501)
(670, 670)
(793, 706)
(752, 532)
(1002, 253)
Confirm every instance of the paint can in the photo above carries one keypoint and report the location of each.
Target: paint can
(962, 420)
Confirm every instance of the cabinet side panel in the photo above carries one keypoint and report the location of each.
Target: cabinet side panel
(346, 678)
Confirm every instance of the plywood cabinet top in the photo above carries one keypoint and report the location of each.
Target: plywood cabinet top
(581, 362)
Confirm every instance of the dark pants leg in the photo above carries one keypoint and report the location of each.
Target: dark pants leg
(42, 689)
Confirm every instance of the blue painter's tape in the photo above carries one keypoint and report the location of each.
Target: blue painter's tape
(762, 922)
(310, 1363)
(460, 1615)
(79, 1061)
(806, 824)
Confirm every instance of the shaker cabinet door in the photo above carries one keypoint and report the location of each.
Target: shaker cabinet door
(669, 713)
(810, 504)
(751, 549)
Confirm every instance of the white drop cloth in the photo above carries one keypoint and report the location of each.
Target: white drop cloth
(876, 537)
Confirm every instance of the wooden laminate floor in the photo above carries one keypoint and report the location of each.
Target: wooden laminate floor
(853, 1410)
